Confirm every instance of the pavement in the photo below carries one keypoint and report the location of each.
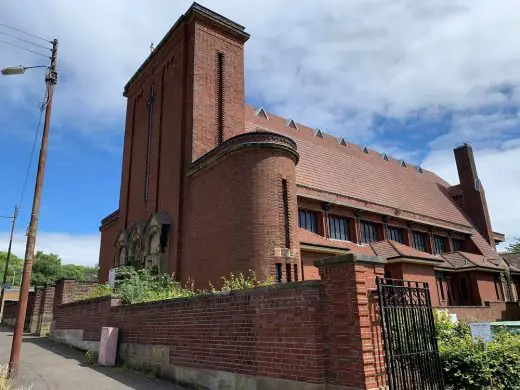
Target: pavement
(46, 365)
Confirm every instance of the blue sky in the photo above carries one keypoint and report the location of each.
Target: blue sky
(410, 78)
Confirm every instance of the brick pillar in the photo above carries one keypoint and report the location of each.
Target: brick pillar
(47, 306)
(34, 319)
(31, 300)
(65, 288)
(352, 340)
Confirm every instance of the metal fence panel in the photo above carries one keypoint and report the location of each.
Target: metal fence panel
(411, 351)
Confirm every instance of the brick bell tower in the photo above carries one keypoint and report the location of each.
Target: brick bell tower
(185, 99)
(199, 196)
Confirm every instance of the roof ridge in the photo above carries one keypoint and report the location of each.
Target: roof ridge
(324, 134)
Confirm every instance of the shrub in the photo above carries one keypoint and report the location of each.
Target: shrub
(143, 285)
(92, 357)
(468, 364)
(137, 286)
(240, 282)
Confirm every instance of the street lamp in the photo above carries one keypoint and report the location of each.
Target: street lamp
(51, 78)
(16, 70)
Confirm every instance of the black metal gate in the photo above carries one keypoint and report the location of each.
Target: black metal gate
(412, 356)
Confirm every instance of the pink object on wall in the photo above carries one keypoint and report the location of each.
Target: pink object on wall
(108, 346)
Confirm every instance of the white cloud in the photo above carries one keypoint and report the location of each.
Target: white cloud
(499, 170)
(332, 64)
(72, 248)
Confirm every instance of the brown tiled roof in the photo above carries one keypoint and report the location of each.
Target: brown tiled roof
(336, 170)
(513, 260)
(307, 237)
(480, 261)
(483, 246)
(388, 249)
(384, 249)
(392, 249)
(456, 260)
(444, 264)
(460, 260)
(327, 167)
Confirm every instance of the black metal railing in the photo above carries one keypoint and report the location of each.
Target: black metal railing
(411, 351)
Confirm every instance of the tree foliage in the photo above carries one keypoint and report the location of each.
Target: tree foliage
(47, 268)
(515, 247)
(14, 273)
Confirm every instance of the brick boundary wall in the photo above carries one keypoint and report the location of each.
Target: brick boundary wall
(305, 335)
(42, 303)
(490, 312)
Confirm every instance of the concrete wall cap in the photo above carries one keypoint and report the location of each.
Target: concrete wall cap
(349, 258)
(65, 278)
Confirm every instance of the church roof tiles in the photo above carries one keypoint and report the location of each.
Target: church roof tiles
(342, 172)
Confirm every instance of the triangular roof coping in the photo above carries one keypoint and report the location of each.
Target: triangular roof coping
(403, 163)
(385, 157)
(290, 123)
(262, 113)
(365, 149)
(342, 141)
(317, 133)
(419, 169)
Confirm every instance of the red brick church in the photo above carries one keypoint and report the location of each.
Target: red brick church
(211, 185)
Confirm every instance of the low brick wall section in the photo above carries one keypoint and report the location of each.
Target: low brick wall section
(245, 333)
(10, 312)
(43, 301)
(81, 289)
(305, 335)
(491, 312)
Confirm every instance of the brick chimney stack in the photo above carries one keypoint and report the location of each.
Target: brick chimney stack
(473, 196)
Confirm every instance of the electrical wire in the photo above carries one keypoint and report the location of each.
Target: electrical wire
(24, 48)
(25, 40)
(24, 32)
(31, 158)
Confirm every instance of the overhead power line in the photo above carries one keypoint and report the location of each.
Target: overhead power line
(25, 40)
(31, 157)
(24, 48)
(25, 32)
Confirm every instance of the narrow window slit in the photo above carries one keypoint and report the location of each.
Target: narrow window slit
(278, 272)
(220, 97)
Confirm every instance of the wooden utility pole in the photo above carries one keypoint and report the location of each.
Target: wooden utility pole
(4, 279)
(50, 79)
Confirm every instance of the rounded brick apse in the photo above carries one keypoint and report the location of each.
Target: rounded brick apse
(240, 209)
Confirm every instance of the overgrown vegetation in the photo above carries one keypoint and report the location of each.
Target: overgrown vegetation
(142, 285)
(240, 282)
(470, 365)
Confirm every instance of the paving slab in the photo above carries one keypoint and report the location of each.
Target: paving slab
(46, 365)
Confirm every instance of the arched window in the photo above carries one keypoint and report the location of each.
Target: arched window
(153, 247)
(136, 258)
(121, 256)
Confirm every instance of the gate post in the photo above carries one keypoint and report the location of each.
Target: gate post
(47, 308)
(352, 335)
